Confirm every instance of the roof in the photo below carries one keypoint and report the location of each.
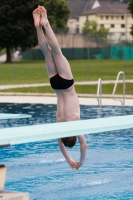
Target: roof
(89, 5)
(108, 8)
(79, 6)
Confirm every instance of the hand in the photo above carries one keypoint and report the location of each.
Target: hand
(73, 164)
(79, 164)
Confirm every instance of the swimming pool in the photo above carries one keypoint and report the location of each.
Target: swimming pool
(40, 169)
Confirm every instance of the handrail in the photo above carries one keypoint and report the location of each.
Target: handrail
(99, 92)
(122, 101)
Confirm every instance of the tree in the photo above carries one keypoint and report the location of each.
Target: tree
(58, 12)
(130, 7)
(16, 22)
(98, 35)
(91, 29)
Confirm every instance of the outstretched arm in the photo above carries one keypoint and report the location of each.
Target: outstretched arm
(71, 162)
(83, 147)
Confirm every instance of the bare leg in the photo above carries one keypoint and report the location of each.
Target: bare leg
(62, 65)
(50, 65)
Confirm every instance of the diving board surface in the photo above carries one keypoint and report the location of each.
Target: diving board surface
(34, 133)
(13, 116)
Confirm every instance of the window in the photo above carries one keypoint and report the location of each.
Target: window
(107, 17)
(117, 17)
(111, 33)
(122, 25)
(112, 25)
(112, 17)
(101, 25)
(122, 17)
(122, 34)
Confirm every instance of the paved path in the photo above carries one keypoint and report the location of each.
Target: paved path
(47, 84)
(3, 58)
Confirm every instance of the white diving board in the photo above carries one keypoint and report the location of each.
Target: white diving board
(34, 133)
(13, 116)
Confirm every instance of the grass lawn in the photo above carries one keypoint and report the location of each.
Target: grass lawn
(82, 89)
(83, 70)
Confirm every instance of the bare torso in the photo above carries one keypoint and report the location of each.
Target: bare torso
(67, 105)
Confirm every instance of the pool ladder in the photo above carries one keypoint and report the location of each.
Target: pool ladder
(99, 90)
(113, 94)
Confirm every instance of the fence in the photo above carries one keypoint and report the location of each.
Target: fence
(78, 46)
(113, 52)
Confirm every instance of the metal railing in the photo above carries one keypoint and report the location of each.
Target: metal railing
(123, 100)
(99, 92)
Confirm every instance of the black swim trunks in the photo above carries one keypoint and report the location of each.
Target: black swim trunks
(59, 83)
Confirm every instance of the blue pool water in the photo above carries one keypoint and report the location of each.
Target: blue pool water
(40, 168)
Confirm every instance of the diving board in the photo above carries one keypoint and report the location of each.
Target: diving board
(34, 133)
(13, 116)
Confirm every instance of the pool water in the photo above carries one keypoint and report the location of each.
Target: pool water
(40, 168)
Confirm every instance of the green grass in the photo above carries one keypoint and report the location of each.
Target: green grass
(82, 89)
(83, 70)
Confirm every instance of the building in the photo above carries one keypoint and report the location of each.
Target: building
(77, 8)
(112, 15)
(108, 14)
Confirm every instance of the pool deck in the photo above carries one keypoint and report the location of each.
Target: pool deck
(87, 100)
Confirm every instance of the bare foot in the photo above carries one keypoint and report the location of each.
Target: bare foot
(36, 17)
(44, 19)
